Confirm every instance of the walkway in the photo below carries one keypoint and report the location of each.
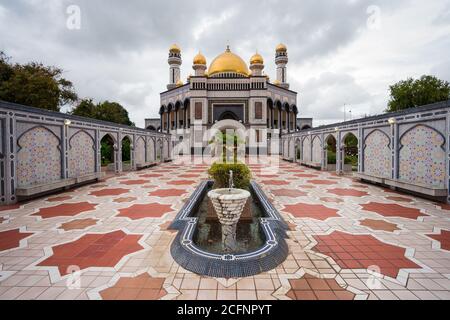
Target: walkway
(115, 232)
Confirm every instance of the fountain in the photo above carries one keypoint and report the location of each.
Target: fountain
(229, 204)
(229, 232)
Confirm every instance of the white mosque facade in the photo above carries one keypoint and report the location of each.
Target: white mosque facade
(227, 94)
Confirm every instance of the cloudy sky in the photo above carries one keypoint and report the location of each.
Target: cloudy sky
(341, 51)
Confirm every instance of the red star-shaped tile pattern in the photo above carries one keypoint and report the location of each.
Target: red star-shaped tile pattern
(134, 182)
(142, 211)
(167, 193)
(93, 250)
(142, 287)
(321, 182)
(65, 210)
(312, 288)
(348, 192)
(362, 251)
(275, 182)
(293, 193)
(79, 224)
(443, 238)
(393, 210)
(109, 192)
(11, 239)
(181, 182)
(314, 211)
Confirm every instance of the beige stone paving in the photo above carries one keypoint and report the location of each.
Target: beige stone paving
(21, 278)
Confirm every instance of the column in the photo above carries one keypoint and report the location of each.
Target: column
(161, 121)
(98, 152)
(168, 122)
(280, 121)
(176, 119)
(288, 116)
(132, 153)
(395, 150)
(118, 153)
(272, 114)
(324, 151)
(360, 150)
(64, 152)
(339, 153)
(185, 118)
(10, 159)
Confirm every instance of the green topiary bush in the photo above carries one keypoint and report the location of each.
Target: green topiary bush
(220, 173)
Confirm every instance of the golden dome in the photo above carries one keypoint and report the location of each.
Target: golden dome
(277, 82)
(175, 49)
(256, 59)
(200, 59)
(179, 83)
(228, 62)
(281, 48)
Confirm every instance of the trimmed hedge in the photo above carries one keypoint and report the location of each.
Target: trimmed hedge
(220, 173)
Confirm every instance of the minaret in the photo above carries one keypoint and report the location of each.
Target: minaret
(256, 64)
(175, 64)
(281, 60)
(199, 65)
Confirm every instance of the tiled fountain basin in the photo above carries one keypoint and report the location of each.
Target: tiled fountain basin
(269, 253)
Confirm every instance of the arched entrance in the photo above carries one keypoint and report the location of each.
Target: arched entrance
(107, 153)
(229, 115)
(331, 144)
(227, 140)
(126, 154)
(350, 152)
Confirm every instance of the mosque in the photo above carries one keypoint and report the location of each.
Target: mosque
(229, 94)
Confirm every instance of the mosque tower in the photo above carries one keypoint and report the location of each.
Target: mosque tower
(199, 65)
(257, 64)
(175, 64)
(281, 60)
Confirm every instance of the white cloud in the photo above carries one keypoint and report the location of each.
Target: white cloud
(120, 53)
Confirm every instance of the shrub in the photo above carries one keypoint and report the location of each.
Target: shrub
(353, 160)
(220, 173)
(331, 157)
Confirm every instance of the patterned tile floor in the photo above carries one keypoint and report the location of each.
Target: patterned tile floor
(110, 240)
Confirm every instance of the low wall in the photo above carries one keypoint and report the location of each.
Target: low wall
(41, 150)
(408, 149)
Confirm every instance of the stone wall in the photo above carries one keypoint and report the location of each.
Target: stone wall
(407, 149)
(45, 148)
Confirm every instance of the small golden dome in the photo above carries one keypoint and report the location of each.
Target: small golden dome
(180, 83)
(175, 49)
(256, 59)
(277, 82)
(281, 48)
(228, 62)
(200, 59)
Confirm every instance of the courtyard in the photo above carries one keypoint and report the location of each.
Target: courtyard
(111, 240)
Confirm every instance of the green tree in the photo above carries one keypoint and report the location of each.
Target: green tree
(112, 112)
(35, 85)
(106, 111)
(412, 93)
(6, 70)
(85, 108)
